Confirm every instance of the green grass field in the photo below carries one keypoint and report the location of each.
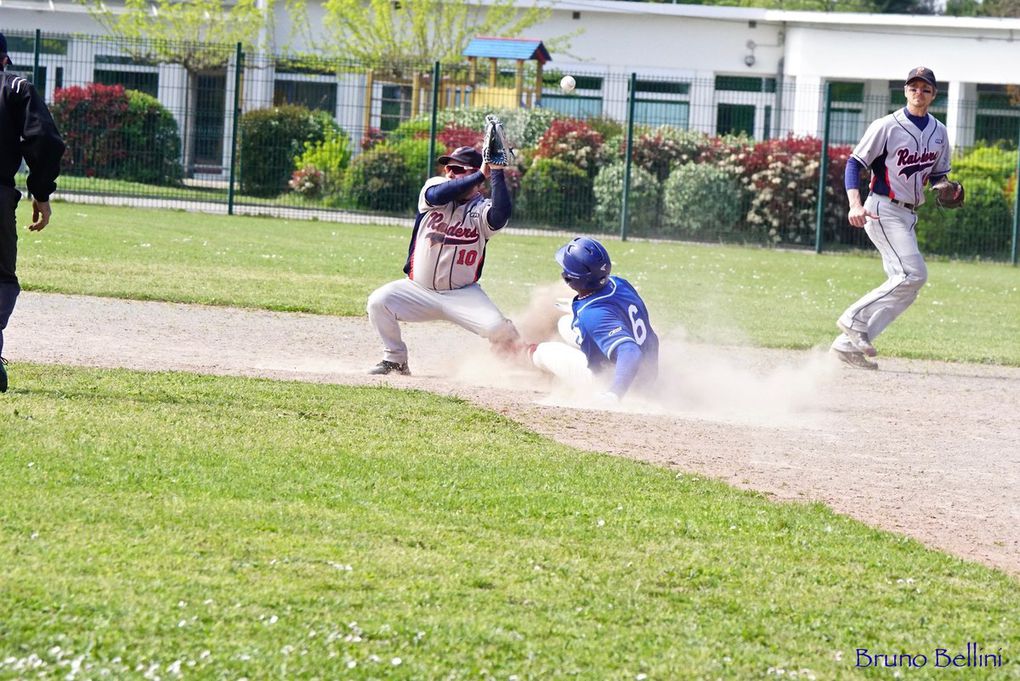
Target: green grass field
(177, 526)
(236, 528)
(967, 312)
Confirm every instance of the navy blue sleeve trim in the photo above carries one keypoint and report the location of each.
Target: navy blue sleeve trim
(440, 194)
(410, 246)
(502, 207)
(852, 174)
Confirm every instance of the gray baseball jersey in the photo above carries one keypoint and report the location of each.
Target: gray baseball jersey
(449, 249)
(902, 157)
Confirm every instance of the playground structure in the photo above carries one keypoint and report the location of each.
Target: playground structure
(479, 84)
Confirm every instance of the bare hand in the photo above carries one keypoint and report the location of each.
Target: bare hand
(858, 215)
(40, 215)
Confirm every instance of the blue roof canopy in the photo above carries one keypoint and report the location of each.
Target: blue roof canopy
(507, 48)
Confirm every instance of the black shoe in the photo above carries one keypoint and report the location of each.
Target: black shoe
(3, 375)
(388, 367)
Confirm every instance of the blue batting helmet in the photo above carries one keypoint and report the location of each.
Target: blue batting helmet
(585, 264)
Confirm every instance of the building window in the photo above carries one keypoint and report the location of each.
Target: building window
(846, 112)
(574, 106)
(313, 95)
(584, 102)
(662, 102)
(26, 44)
(396, 106)
(997, 119)
(744, 84)
(143, 81)
(734, 119)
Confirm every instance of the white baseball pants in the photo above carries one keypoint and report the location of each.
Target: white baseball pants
(564, 360)
(895, 237)
(406, 301)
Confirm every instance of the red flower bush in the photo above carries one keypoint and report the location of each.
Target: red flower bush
(453, 136)
(91, 120)
(574, 142)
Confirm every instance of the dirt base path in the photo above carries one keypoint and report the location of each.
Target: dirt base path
(927, 449)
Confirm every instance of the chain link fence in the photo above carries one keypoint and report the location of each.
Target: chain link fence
(728, 159)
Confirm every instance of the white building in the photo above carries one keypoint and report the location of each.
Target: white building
(713, 69)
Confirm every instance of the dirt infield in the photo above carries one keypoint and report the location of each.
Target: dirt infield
(927, 449)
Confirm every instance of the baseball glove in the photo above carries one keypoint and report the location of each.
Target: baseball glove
(948, 194)
(496, 150)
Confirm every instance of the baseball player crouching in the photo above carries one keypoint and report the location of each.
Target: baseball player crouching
(608, 333)
(445, 258)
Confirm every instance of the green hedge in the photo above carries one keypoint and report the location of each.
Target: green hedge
(271, 139)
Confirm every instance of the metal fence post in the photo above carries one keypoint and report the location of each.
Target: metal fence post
(35, 61)
(1016, 204)
(627, 158)
(823, 170)
(436, 75)
(238, 58)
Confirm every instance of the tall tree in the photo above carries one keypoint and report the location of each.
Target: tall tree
(192, 34)
(393, 33)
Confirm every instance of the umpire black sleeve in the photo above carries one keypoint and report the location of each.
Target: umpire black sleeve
(41, 145)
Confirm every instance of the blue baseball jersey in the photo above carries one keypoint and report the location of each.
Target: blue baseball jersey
(609, 317)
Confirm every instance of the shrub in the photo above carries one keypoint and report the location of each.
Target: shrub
(555, 192)
(330, 157)
(665, 148)
(523, 127)
(152, 141)
(417, 128)
(993, 163)
(701, 200)
(372, 138)
(643, 203)
(378, 180)
(91, 120)
(982, 227)
(308, 182)
(573, 142)
(453, 136)
(415, 153)
(271, 139)
(781, 177)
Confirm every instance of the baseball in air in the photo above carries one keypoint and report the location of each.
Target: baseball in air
(567, 83)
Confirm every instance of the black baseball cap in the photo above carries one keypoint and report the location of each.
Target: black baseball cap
(921, 73)
(467, 156)
(4, 59)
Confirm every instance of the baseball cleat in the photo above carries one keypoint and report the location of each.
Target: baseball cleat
(859, 339)
(856, 360)
(388, 367)
(3, 375)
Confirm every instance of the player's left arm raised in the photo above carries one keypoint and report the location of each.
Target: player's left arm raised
(502, 206)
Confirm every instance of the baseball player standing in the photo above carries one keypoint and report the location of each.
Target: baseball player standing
(905, 150)
(609, 331)
(28, 133)
(445, 259)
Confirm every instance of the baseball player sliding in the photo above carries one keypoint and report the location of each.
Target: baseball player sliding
(608, 334)
(444, 260)
(905, 150)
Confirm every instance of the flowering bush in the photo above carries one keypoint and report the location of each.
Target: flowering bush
(453, 136)
(665, 148)
(573, 142)
(372, 138)
(91, 120)
(329, 157)
(308, 182)
(781, 177)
